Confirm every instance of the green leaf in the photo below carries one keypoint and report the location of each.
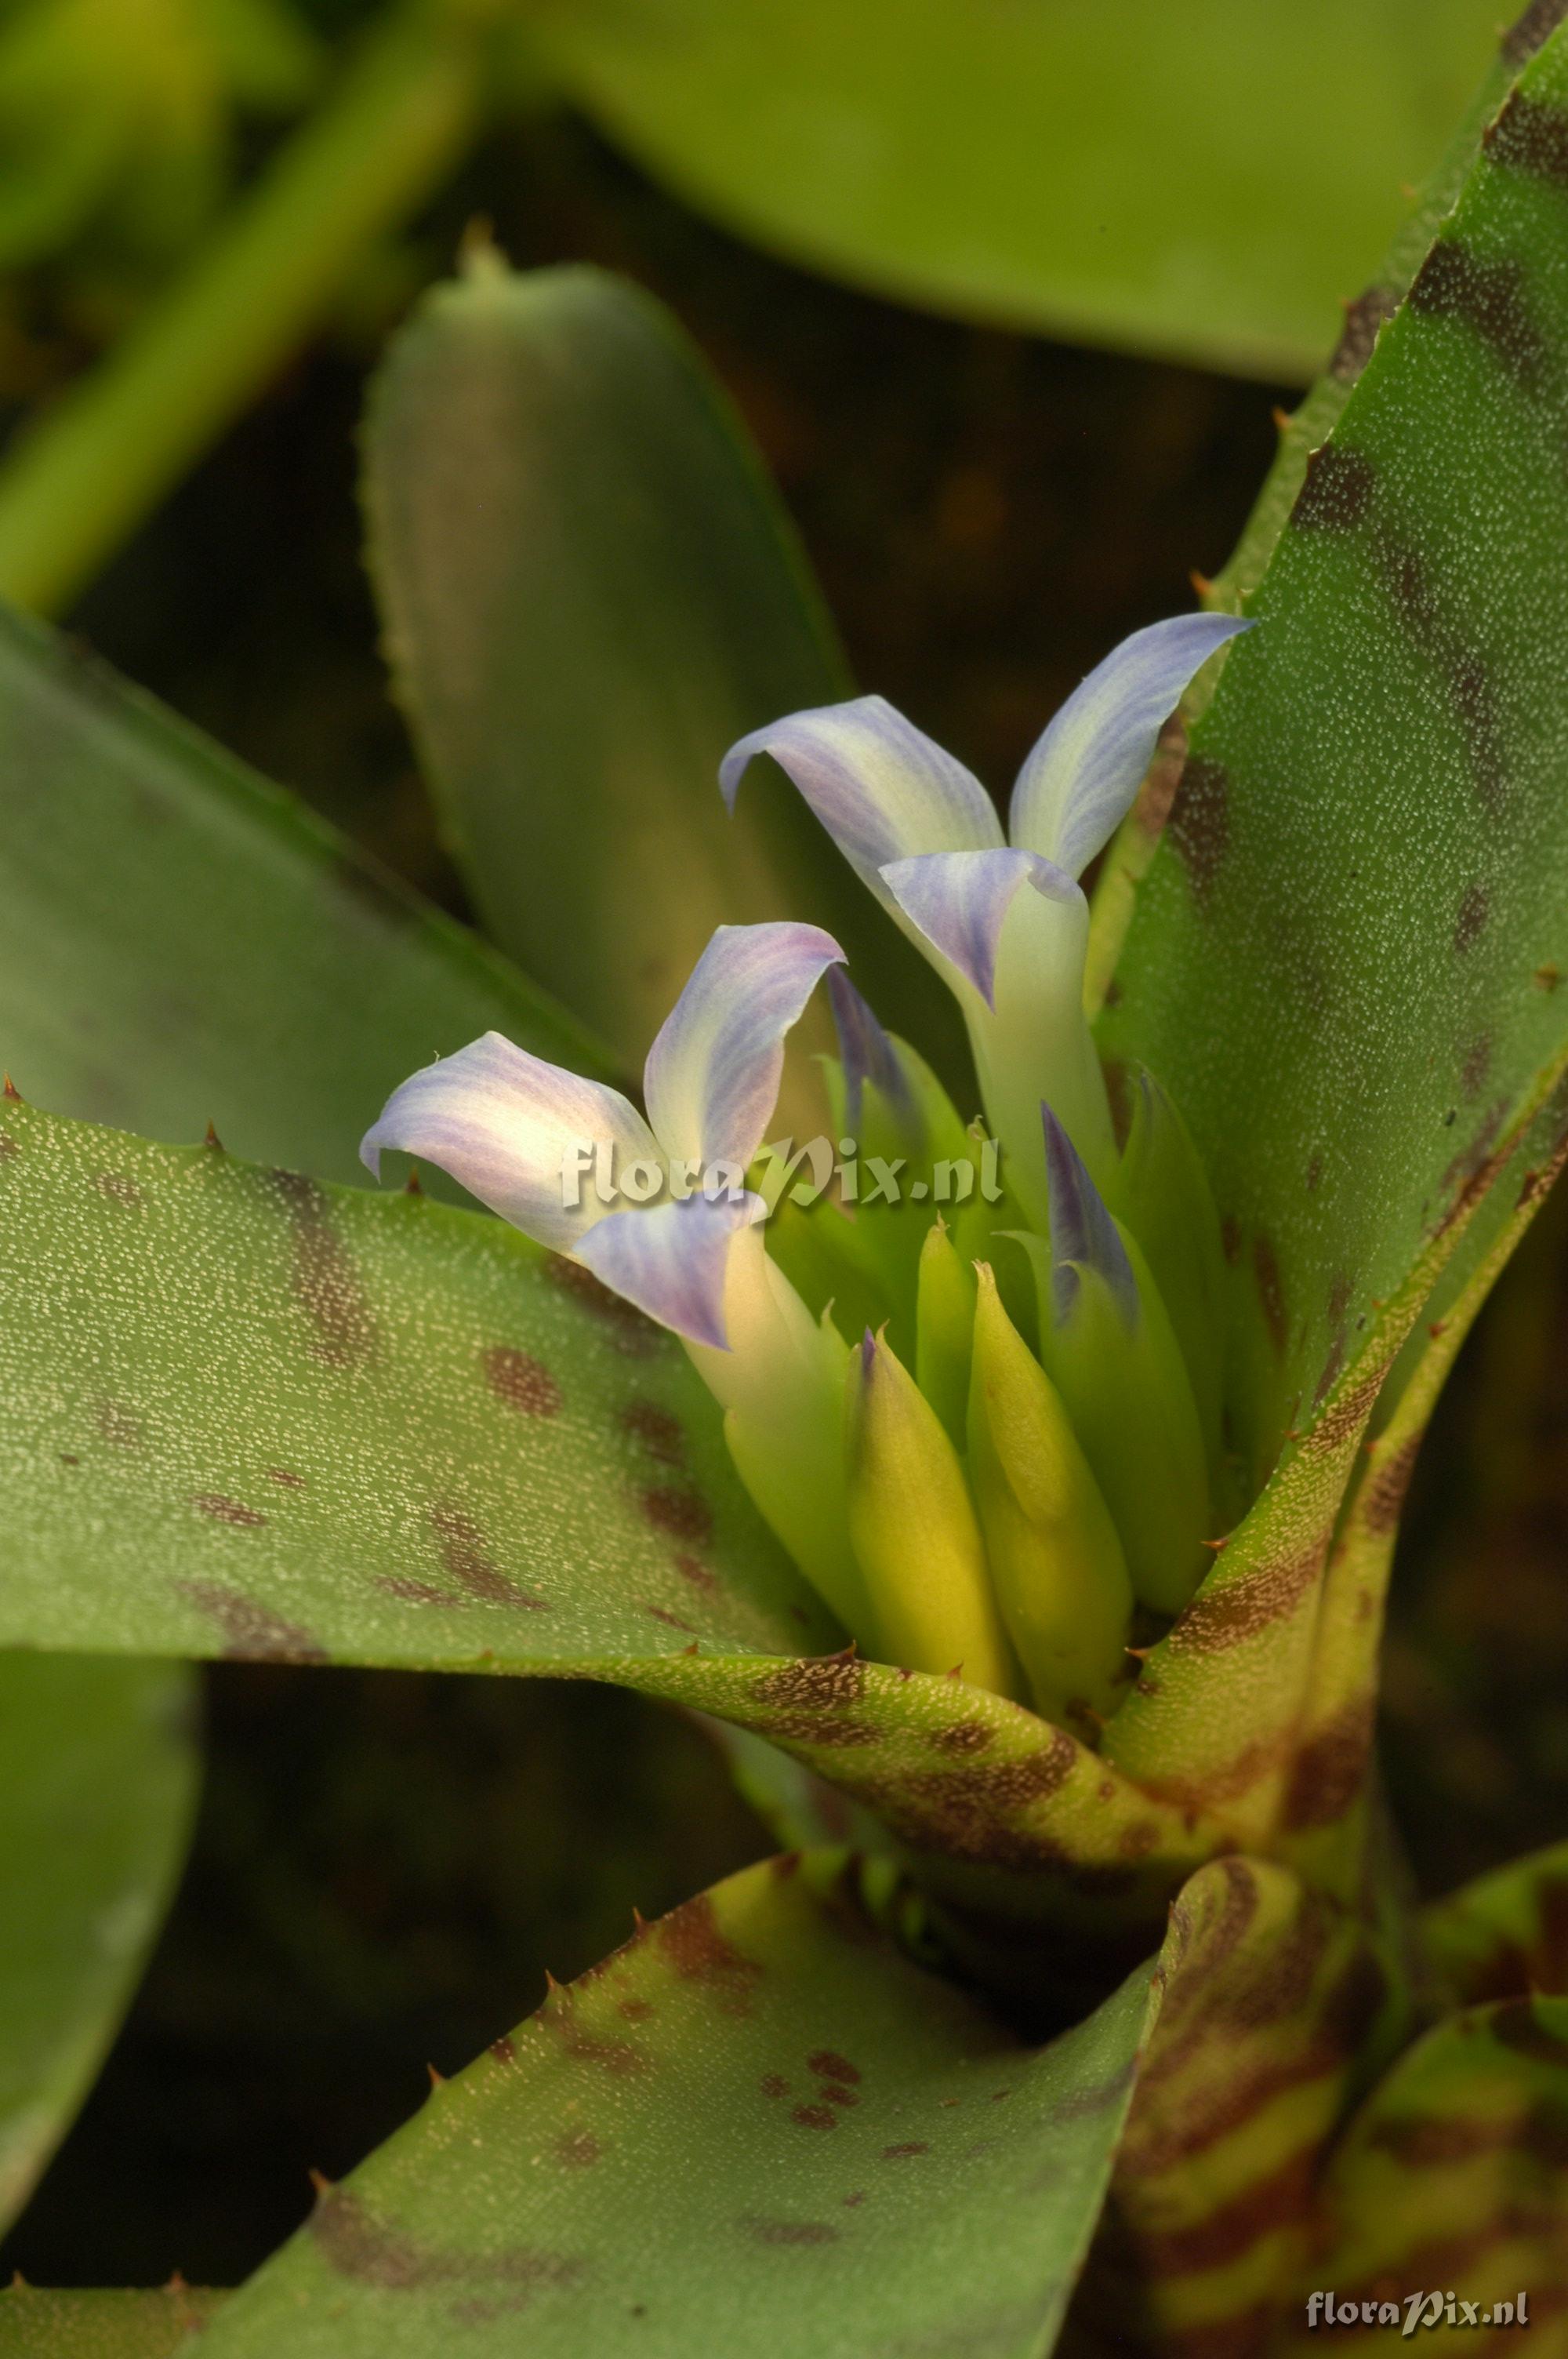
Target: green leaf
(1454, 2174)
(1366, 848)
(1062, 199)
(1277, 2011)
(757, 2127)
(1504, 1934)
(180, 943)
(97, 1785)
(38, 2323)
(251, 1415)
(591, 591)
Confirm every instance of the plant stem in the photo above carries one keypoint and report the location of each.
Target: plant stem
(77, 483)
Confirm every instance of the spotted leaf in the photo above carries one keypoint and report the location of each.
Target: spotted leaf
(38, 2322)
(252, 1415)
(1452, 2177)
(755, 2127)
(183, 944)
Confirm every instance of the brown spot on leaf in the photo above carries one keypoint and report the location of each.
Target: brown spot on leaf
(224, 1510)
(375, 2251)
(660, 1433)
(524, 1383)
(252, 1633)
(691, 1942)
(671, 1621)
(818, 1682)
(963, 1736)
(1284, 2199)
(790, 2232)
(285, 1476)
(1329, 1372)
(504, 2050)
(1477, 1065)
(1336, 491)
(118, 1188)
(1329, 1771)
(1384, 1496)
(692, 1569)
(323, 1278)
(815, 2117)
(414, 1593)
(685, 1515)
(1471, 922)
(1363, 317)
(8, 1145)
(1229, 1611)
(1454, 283)
(578, 2150)
(902, 2153)
(1199, 824)
(774, 2084)
(629, 1329)
(1230, 1238)
(1529, 135)
(828, 2065)
(463, 1556)
(1270, 1291)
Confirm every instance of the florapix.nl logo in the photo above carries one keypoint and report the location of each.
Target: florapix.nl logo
(593, 1169)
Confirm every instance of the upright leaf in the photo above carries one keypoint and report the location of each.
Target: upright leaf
(755, 2129)
(1066, 196)
(97, 1783)
(590, 591)
(1364, 856)
(183, 944)
(1452, 2179)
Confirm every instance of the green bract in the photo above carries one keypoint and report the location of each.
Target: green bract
(1120, 1965)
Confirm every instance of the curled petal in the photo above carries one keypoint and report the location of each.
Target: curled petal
(867, 1054)
(1078, 783)
(513, 1130)
(959, 901)
(711, 1080)
(670, 1259)
(879, 786)
(1083, 1234)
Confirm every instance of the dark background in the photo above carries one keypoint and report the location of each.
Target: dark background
(386, 1864)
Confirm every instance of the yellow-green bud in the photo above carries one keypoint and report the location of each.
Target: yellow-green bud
(1108, 1347)
(945, 1331)
(915, 1530)
(1056, 1562)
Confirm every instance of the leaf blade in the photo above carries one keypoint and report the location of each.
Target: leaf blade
(590, 591)
(175, 932)
(836, 2096)
(97, 1791)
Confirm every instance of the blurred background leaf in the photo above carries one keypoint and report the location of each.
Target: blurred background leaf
(98, 1775)
(1208, 181)
(590, 589)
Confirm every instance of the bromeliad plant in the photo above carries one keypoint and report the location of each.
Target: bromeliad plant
(1091, 1941)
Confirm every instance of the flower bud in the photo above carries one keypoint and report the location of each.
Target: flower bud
(1056, 1562)
(781, 1386)
(915, 1530)
(945, 1331)
(1109, 1345)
